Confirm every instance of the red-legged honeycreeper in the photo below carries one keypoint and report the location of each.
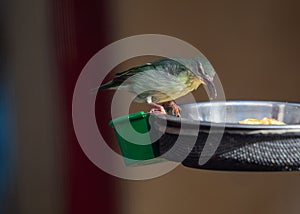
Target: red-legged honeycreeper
(163, 81)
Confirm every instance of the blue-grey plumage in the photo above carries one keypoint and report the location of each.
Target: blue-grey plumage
(163, 80)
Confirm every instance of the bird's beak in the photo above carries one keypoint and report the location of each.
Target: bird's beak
(210, 87)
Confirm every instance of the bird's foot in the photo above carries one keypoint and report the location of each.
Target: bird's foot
(158, 109)
(173, 107)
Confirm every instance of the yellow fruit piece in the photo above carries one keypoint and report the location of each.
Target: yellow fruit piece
(264, 121)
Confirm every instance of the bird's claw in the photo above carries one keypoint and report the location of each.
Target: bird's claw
(158, 110)
(176, 110)
(172, 107)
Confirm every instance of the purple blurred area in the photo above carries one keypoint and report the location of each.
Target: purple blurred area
(253, 45)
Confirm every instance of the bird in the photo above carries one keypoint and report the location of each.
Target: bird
(160, 83)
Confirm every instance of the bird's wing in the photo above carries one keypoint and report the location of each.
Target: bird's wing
(169, 65)
(154, 77)
(159, 71)
(119, 78)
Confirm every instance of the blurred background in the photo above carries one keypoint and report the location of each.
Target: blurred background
(253, 45)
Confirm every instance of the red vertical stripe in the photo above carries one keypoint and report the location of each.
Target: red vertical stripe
(81, 30)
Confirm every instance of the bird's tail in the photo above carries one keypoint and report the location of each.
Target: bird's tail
(107, 86)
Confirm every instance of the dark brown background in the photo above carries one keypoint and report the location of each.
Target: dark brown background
(254, 47)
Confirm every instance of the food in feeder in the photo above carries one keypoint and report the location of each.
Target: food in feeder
(264, 121)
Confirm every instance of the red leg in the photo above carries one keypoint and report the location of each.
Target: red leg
(157, 109)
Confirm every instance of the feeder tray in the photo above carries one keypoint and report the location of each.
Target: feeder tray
(239, 147)
(242, 147)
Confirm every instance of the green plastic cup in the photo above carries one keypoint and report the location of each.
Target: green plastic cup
(142, 149)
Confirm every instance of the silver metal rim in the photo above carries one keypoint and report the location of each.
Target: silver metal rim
(235, 127)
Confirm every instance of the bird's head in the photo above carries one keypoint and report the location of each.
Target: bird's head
(202, 68)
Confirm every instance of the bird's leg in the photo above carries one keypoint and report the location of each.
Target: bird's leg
(157, 108)
(172, 106)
